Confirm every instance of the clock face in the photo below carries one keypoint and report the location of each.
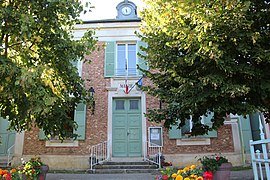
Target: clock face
(126, 10)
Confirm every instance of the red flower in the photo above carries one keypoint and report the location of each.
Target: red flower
(217, 158)
(7, 176)
(208, 175)
(165, 177)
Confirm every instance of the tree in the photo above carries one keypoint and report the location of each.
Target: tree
(39, 85)
(207, 56)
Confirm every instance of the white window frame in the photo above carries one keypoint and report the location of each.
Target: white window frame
(161, 135)
(126, 43)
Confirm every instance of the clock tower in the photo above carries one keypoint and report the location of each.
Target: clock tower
(126, 10)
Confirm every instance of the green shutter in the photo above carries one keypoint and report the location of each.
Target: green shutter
(207, 121)
(141, 62)
(109, 59)
(41, 135)
(174, 132)
(80, 118)
(246, 133)
(255, 126)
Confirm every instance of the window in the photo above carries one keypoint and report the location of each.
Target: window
(119, 105)
(126, 60)
(121, 59)
(79, 115)
(184, 132)
(134, 104)
(78, 65)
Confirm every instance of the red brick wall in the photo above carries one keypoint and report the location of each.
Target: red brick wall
(96, 125)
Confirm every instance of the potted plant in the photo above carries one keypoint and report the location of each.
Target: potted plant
(34, 169)
(216, 167)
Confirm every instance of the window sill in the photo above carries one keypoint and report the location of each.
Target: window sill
(193, 141)
(59, 143)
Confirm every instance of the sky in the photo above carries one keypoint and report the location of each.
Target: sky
(106, 9)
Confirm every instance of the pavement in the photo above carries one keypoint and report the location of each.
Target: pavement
(235, 175)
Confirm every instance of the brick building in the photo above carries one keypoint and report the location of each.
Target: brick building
(119, 118)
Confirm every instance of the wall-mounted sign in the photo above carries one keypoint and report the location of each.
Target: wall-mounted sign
(155, 136)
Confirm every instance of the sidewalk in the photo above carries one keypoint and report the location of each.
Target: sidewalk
(235, 175)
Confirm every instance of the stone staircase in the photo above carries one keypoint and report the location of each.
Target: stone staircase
(112, 167)
(3, 162)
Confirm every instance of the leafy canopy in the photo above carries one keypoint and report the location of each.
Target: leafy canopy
(207, 56)
(38, 83)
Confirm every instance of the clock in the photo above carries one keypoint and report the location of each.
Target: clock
(126, 10)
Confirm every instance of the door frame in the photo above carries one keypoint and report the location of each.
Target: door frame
(113, 93)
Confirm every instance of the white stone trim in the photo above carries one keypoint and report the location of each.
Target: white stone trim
(193, 141)
(122, 31)
(65, 143)
(19, 143)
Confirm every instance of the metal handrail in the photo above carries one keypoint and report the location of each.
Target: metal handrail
(9, 154)
(153, 153)
(98, 154)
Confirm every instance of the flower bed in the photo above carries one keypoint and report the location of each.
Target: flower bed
(211, 168)
(33, 169)
(9, 174)
(188, 173)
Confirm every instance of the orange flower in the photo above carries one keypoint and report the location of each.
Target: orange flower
(1, 172)
(174, 175)
(193, 166)
(179, 171)
(200, 178)
(5, 175)
(13, 170)
(179, 177)
(186, 169)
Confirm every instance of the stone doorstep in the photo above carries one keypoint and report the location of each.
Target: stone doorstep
(125, 167)
(112, 167)
(125, 159)
(125, 163)
(122, 171)
(3, 163)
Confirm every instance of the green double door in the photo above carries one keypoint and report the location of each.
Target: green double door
(126, 128)
(7, 138)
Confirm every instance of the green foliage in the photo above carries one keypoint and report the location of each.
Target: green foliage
(37, 49)
(212, 163)
(207, 56)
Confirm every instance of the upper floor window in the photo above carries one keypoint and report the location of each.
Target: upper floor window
(126, 60)
(121, 59)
